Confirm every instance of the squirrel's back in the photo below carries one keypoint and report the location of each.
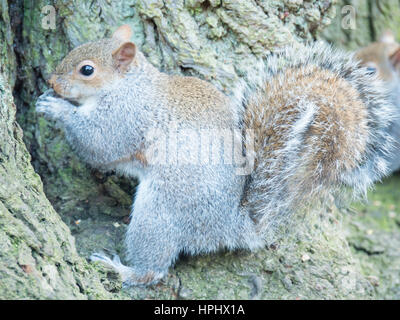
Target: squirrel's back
(319, 120)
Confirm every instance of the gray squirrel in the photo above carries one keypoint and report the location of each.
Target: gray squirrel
(383, 58)
(314, 124)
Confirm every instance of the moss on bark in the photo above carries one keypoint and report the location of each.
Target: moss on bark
(7, 57)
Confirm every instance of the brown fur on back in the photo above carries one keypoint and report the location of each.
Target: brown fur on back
(198, 101)
(335, 139)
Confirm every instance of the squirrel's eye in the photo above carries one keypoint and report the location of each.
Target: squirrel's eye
(371, 70)
(87, 70)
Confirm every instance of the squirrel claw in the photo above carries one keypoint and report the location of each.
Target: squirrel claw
(128, 275)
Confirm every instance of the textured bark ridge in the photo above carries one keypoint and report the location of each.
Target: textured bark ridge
(7, 57)
(212, 39)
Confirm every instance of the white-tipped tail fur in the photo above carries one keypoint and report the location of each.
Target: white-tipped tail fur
(321, 125)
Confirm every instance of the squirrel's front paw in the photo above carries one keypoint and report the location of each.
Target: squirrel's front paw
(128, 275)
(52, 107)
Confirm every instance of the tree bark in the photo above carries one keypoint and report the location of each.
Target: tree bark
(38, 255)
(216, 40)
(7, 57)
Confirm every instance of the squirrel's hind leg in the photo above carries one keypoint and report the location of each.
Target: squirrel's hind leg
(152, 240)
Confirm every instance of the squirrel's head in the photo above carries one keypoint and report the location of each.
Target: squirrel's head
(382, 57)
(91, 66)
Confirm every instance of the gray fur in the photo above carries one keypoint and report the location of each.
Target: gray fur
(394, 128)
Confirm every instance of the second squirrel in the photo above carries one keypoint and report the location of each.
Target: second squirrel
(383, 58)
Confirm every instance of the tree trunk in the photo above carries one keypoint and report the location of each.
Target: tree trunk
(212, 39)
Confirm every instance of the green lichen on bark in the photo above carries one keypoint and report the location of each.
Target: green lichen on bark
(7, 57)
(373, 232)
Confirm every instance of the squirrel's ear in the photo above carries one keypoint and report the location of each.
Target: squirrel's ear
(387, 37)
(395, 58)
(123, 33)
(124, 55)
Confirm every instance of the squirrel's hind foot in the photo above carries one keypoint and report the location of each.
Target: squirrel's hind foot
(128, 275)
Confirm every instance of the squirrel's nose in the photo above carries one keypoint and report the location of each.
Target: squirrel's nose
(54, 82)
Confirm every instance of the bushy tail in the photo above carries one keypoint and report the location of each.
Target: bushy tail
(320, 122)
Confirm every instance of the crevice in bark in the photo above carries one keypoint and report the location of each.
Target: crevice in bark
(370, 20)
(366, 251)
